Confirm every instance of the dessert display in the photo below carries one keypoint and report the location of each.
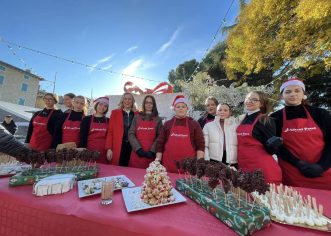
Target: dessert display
(93, 186)
(157, 187)
(226, 193)
(82, 163)
(10, 166)
(289, 206)
(55, 184)
(156, 190)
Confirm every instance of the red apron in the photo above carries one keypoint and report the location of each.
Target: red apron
(146, 135)
(253, 156)
(304, 139)
(41, 139)
(97, 138)
(178, 146)
(71, 130)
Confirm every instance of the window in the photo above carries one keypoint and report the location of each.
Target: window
(2, 79)
(26, 77)
(2, 68)
(21, 101)
(24, 87)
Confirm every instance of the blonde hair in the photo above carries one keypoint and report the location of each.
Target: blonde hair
(121, 106)
(85, 102)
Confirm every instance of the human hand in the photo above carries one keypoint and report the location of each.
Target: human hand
(109, 155)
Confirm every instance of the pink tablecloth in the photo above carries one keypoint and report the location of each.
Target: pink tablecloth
(22, 213)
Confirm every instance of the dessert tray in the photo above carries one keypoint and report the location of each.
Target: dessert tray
(12, 169)
(133, 201)
(93, 186)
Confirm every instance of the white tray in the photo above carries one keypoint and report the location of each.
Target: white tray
(9, 170)
(97, 184)
(133, 201)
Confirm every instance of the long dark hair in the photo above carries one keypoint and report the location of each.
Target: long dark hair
(155, 112)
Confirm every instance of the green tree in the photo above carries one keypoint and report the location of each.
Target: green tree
(275, 35)
(183, 72)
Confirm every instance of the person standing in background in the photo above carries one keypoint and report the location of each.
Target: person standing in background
(9, 124)
(211, 104)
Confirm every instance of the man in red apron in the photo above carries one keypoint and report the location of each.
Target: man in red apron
(179, 140)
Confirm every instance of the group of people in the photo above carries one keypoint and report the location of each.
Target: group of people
(291, 146)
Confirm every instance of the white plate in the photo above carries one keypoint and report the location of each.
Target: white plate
(133, 201)
(8, 170)
(96, 184)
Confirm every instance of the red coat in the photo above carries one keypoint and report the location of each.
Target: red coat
(115, 135)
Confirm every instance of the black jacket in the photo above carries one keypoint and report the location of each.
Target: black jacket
(9, 145)
(321, 117)
(203, 120)
(50, 125)
(11, 127)
(85, 128)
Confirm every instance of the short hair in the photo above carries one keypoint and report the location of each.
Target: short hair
(211, 98)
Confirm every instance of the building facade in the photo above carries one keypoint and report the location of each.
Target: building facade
(18, 86)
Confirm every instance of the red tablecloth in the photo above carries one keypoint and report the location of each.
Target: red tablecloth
(22, 213)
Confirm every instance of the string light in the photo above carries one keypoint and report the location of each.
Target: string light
(213, 40)
(75, 62)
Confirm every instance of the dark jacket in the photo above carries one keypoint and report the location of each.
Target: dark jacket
(50, 125)
(9, 145)
(11, 127)
(85, 128)
(203, 120)
(321, 117)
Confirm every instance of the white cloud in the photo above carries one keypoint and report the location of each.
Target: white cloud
(169, 42)
(131, 49)
(133, 67)
(107, 67)
(101, 61)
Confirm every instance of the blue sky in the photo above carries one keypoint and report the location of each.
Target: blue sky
(145, 38)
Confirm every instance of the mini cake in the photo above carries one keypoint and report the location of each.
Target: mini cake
(55, 184)
(157, 187)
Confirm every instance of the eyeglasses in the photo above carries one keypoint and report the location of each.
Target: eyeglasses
(252, 100)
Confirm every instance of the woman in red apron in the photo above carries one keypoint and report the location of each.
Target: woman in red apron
(180, 137)
(252, 135)
(42, 125)
(143, 134)
(93, 129)
(68, 126)
(306, 132)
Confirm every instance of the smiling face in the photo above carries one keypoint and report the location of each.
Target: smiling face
(49, 101)
(211, 107)
(252, 102)
(181, 110)
(127, 101)
(101, 108)
(223, 111)
(293, 95)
